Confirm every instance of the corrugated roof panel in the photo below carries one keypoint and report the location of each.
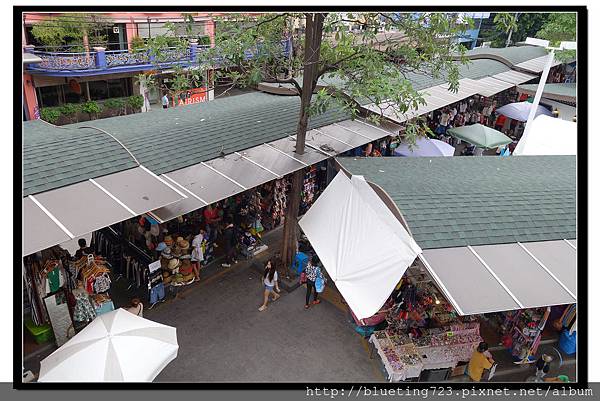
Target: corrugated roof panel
(455, 270)
(514, 77)
(489, 86)
(205, 183)
(272, 159)
(39, 230)
(71, 205)
(241, 171)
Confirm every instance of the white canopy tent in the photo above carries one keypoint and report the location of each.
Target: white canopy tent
(362, 245)
(549, 136)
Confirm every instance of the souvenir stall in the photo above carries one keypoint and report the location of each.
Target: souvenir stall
(62, 294)
(523, 331)
(423, 333)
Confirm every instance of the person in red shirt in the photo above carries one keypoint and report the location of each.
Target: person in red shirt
(211, 215)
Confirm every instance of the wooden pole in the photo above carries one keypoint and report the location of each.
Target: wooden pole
(312, 50)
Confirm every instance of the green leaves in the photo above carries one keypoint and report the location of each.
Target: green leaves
(559, 27)
(91, 107)
(70, 29)
(506, 22)
(50, 114)
(135, 102)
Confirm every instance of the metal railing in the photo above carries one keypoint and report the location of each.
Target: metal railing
(66, 61)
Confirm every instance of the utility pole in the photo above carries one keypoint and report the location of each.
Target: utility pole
(312, 51)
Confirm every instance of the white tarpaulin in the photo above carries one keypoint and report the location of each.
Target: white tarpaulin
(549, 136)
(361, 244)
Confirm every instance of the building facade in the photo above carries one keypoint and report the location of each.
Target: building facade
(54, 77)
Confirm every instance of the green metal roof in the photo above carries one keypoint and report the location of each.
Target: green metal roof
(514, 55)
(54, 157)
(486, 200)
(162, 140)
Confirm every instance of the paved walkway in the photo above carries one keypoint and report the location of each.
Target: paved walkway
(223, 337)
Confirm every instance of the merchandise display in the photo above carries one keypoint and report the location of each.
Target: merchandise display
(437, 348)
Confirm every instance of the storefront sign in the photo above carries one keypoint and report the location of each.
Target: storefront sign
(196, 95)
(154, 266)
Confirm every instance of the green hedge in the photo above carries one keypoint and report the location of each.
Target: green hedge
(92, 108)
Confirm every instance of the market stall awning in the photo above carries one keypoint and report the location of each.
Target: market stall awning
(362, 245)
(480, 135)
(514, 77)
(435, 98)
(217, 179)
(494, 278)
(489, 86)
(566, 92)
(537, 64)
(56, 216)
(549, 136)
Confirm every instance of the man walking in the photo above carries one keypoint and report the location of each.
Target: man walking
(165, 101)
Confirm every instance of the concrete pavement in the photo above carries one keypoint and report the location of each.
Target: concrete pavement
(223, 336)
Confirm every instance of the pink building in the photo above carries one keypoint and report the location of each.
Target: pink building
(52, 78)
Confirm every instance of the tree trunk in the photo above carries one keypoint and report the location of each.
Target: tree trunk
(312, 50)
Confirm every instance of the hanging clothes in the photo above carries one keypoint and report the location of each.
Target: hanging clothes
(84, 311)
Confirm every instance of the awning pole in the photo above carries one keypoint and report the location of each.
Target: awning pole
(536, 101)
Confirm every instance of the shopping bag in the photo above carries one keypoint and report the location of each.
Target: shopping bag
(320, 284)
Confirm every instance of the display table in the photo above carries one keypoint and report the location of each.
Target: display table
(400, 362)
(440, 348)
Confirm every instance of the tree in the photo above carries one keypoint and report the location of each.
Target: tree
(372, 66)
(560, 27)
(507, 22)
(73, 32)
(529, 25)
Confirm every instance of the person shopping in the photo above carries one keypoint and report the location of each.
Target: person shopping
(270, 281)
(136, 307)
(312, 271)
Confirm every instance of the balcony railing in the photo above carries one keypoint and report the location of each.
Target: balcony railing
(66, 61)
(107, 61)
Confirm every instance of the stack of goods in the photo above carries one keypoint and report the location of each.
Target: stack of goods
(447, 346)
(437, 348)
(309, 188)
(279, 202)
(522, 329)
(176, 263)
(400, 357)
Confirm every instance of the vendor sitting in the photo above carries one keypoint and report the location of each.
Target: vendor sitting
(480, 361)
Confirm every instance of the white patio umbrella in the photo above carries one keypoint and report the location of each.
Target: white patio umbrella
(115, 347)
(520, 110)
(425, 147)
